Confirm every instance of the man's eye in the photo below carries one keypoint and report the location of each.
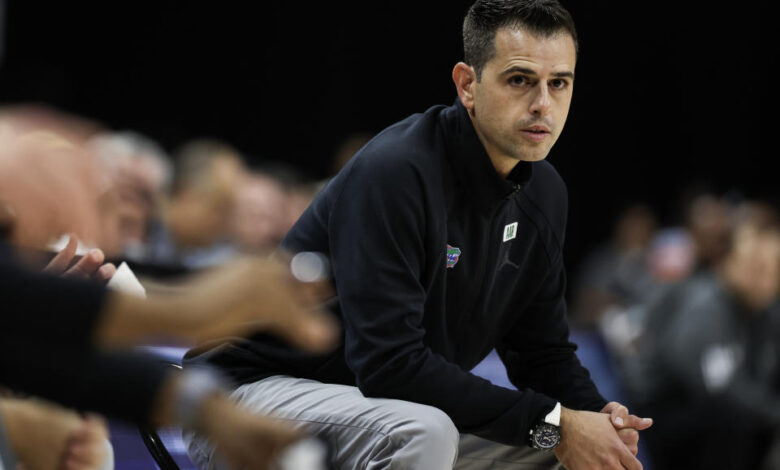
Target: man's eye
(558, 83)
(518, 80)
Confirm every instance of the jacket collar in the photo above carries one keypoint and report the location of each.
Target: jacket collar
(471, 164)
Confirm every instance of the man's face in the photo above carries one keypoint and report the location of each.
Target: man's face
(522, 100)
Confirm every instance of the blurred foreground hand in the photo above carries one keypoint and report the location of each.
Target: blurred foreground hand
(237, 299)
(45, 436)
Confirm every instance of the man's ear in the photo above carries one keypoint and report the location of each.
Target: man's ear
(465, 79)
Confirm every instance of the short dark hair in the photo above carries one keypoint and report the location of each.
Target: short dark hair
(485, 17)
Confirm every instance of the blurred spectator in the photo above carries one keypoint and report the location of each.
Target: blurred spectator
(617, 275)
(196, 221)
(260, 219)
(299, 190)
(708, 221)
(141, 173)
(708, 361)
(672, 256)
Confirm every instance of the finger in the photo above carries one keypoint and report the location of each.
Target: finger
(629, 460)
(60, 262)
(105, 272)
(92, 451)
(630, 438)
(618, 416)
(87, 265)
(635, 422)
(609, 407)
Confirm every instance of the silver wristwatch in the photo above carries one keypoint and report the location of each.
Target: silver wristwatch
(546, 435)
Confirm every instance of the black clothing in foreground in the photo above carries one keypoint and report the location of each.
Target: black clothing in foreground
(47, 325)
(436, 261)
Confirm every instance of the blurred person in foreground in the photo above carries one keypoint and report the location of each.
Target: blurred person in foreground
(64, 339)
(445, 234)
(708, 362)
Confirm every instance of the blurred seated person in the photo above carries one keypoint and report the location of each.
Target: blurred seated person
(196, 219)
(707, 220)
(708, 363)
(617, 274)
(259, 221)
(141, 174)
(299, 190)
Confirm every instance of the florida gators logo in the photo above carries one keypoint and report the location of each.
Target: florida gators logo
(453, 253)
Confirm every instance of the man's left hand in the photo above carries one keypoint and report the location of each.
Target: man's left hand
(627, 425)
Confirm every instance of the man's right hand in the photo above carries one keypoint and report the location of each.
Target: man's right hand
(589, 441)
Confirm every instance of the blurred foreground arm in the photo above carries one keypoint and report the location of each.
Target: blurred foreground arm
(246, 440)
(235, 300)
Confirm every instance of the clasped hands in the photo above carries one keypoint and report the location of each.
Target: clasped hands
(605, 440)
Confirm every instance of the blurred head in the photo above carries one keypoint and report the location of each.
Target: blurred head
(49, 186)
(517, 77)
(259, 219)
(672, 256)
(206, 177)
(141, 173)
(708, 220)
(635, 227)
(752, 265)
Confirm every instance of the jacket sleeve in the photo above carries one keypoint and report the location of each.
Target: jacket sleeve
(377, 231)
(120, 385)
(46, 334)
(538, 354)
(48, 309)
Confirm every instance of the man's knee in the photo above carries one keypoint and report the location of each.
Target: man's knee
(437, 427)
(428, 434)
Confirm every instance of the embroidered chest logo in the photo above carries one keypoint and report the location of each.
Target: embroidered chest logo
(510, 231)
(453, 254)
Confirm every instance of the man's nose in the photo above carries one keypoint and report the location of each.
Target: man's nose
(541, 103)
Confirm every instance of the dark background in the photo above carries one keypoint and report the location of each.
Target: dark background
(669, 95)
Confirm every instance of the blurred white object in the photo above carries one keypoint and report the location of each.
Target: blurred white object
(309, 266)
(306, 454)
(125, 281)
(60, 244)
(718, 364)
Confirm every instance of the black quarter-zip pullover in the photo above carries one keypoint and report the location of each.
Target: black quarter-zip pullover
(437, 260)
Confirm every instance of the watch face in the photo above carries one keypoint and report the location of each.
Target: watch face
(546, 436)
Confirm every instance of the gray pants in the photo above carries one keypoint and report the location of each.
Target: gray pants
(373, 433)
